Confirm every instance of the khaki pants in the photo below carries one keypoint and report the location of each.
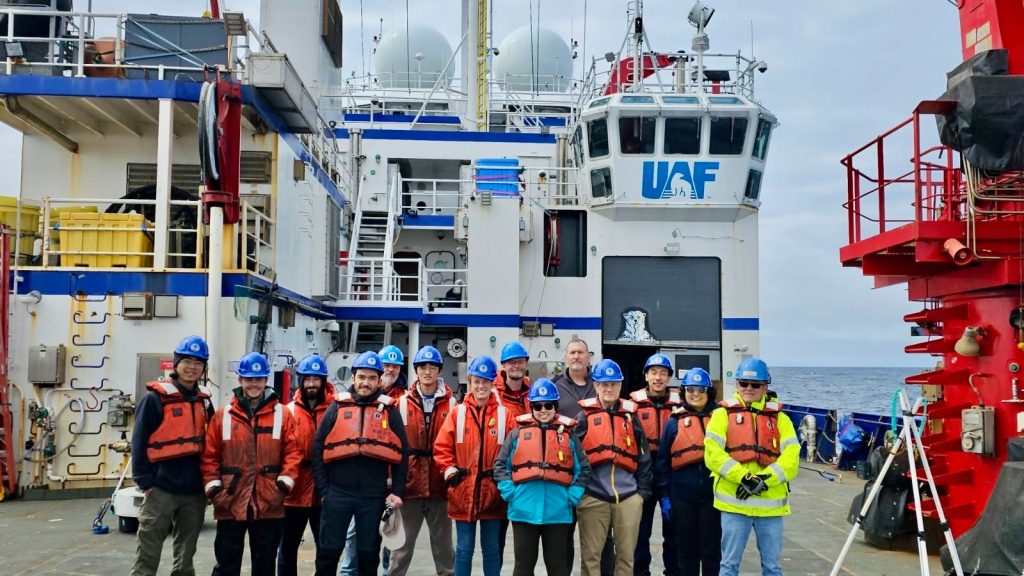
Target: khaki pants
(163, 514)
(435, 512)
(595, 517)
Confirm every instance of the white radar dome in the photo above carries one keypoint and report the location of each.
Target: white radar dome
(413, 61)
(545, 66)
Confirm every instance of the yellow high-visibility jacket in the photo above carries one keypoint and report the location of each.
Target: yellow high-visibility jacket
(727, 472)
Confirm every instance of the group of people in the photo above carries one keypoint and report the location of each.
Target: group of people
(543, 457)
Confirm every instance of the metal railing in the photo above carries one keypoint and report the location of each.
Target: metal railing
(445, 288)
(438, 196)
(381, 280)
(888, 193)
(256, 234)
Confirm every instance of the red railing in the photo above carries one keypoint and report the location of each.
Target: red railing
(8, 471)
(889, 193)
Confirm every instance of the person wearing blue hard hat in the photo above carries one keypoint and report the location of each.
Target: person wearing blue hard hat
(620, 457)
(167, 442)
(753, 453)
(466, 448)
(425, 408)
(360, 461)
(250, 464)
(685, 481)
(302, 507)
(654, 407)
(392, 381)
(541, 472)
(512, 383)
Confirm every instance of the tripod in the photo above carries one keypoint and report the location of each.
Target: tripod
(909, 438)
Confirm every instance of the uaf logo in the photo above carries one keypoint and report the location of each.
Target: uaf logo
(662, 182)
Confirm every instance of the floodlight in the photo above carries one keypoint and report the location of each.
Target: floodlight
(234, 24)
(14, 49)
(700, 14)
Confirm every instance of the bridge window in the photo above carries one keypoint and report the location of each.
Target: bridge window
(597, 138)
(636, 135)
(682, 135)
(764, 129)
(753, 189)
(601, 182)
(727, 135)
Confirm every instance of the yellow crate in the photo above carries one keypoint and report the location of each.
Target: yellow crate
(113, 234)
(9, 215)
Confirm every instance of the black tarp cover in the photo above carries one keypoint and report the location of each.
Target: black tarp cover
(987, 125)
(995, 545)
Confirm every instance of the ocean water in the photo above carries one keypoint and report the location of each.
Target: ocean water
(845, 389)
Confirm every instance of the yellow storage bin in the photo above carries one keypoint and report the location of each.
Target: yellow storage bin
(9, 215)
(113, 235)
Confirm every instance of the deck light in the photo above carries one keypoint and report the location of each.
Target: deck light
(968, 345)
(700, 15)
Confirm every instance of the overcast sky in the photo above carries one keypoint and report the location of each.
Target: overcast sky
(840, 72)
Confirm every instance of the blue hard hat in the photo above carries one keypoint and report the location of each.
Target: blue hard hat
(543, 390)
(253, 365)
(428, 355)
(193, 346)
(368, 360)
(391, 354)
(483, 367)
(659, 360)
(697, 377)
(513, 350)
(607, 370)
(312, 365)
(753, 369)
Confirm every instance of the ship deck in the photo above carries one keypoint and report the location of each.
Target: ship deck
(55, 537)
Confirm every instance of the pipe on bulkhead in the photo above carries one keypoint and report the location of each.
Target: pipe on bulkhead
(214, 287)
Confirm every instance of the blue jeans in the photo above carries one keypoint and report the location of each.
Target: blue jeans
(465, 543)
(348, 558)
(736, 532)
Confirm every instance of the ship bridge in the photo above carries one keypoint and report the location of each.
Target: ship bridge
(701, 154)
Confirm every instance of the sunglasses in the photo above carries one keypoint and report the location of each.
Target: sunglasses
(695, 389)
(543, 405)
(748, 384)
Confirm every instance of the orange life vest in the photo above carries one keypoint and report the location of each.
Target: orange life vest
(652, 418)
(516, 402)
(610, 434)
(752, 436)
(424, 480)
(362, 430)
(544, 451)
(688, 446)
(183, 428)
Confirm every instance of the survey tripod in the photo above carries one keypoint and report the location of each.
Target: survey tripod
(910, 439)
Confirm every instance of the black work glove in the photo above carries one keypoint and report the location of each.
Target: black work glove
(750, 486)
(282, 487)
(456, 478)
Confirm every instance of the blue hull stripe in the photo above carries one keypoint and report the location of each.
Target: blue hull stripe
(741, 323)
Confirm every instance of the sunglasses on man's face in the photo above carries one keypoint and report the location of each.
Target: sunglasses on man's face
(695, 389)
(748, 384)
(543, 405)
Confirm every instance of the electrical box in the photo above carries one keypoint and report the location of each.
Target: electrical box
(46, 365)
(525, 224)
(119, 409)
(530, 328)
(977, 434)
(165, 306)
(151, 367)
(137, 305)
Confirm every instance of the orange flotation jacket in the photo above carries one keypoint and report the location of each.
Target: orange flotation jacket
(362, 430)
(183, 428)
(515, 401)
(306, 421)
(688, 446)
(609, 436)
(544, 451)
(653, 418)
(424, 480)
(753, 435)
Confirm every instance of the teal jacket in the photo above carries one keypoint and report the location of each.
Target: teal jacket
(539, 501)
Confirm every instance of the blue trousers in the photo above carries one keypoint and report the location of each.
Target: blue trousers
(735, 533)
(669, 553)
(465, 544)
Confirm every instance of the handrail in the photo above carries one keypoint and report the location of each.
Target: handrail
(375, 280)
(261, 234)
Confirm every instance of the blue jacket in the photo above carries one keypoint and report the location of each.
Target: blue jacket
(538, 501)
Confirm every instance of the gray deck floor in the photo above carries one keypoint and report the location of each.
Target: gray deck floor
(55, 537)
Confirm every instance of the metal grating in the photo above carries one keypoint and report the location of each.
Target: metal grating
(255, 169)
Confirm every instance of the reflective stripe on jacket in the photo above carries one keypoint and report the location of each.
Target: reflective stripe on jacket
(469, 441)
(246, 457)
(544, 451)
(362, 430)
(728, 472)
(610, 435)
(183, 428)
(425, 480)
(652, 414)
